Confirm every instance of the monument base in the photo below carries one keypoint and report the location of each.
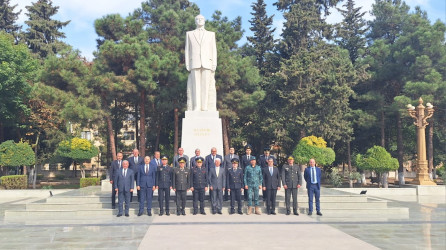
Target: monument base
(203, 130)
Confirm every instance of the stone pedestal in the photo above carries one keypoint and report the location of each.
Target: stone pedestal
(203, 130)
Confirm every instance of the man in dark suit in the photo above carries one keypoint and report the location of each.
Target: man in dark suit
(291, 181)
(146, 184)
(217, 184)
(264, 158)
(164, 184)
(156, 161)
(199, 177)
(115, 168)
(181, 184)
(312, 176)
(178, 156)
(263, 162)
(271, 183)
(193, 159)
(246, 161)
(134, 162)
(228, 164)
(235, 185)
(124, 184)
(210, 159)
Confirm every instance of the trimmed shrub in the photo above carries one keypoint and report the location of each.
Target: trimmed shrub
(14, 181)
(85, 182)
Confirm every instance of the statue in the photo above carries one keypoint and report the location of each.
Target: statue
(201, 62)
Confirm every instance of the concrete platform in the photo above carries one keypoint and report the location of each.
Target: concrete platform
(83, 219)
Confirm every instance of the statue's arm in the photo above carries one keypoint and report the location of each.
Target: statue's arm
(186, 53)
(214, 52)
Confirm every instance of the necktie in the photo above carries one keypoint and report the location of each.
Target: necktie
(249, 157)
(157, 162)
(147, 169)
(119, 163)
(271, 171)
(313, 175)
(230, 156)
(213, 158)
(136, 159)
(217, 169)
(124, 172)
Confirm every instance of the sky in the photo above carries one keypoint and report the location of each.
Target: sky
(81, 35)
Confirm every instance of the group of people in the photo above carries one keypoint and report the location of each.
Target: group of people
(226, 178)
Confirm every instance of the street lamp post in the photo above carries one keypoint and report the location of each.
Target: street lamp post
(418, 113)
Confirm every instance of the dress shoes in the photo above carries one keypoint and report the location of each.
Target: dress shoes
(161, 213)
(149, 213)
(240, 212)
(119, 215)
(113, 206)
(273, 213)
(213, 212)
(296, 213)
(183, 212)
(127, 215)
(310, 213)
(203, 212)
(319, 213)
(195, 213)
(219, 212)
(167, 213)
(140, 213)
(178, 212)
(232, 211)
(288, 212)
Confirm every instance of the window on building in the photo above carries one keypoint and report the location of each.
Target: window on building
(86, 135)
(130, 136)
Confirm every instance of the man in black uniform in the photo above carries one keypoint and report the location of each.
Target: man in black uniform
(181, 184)
(199, 177)
(291, 181)
(164, 184)
(235, 185)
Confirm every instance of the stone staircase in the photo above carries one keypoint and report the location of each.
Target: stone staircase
(93, 204)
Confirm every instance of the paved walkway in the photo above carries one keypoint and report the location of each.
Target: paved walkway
(246, 232)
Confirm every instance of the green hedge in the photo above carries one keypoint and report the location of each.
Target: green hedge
(14, 181)
(85, 182)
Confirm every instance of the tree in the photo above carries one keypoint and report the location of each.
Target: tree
(8, 19)
(77, 150)
(304, 24)
(262, 39)
(424, 53)
(43, 33)
(351, 31)
(350, 35)
(17, 71)
(379, 160)
(16, 154)
(313, 147)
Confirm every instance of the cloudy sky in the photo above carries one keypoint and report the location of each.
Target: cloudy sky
(82, 13)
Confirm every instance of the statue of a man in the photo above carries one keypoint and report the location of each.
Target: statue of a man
(201, 62)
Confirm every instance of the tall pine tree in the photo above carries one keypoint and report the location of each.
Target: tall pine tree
(43, 33)
(262, 39)
(8, 18)
(351, 31)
